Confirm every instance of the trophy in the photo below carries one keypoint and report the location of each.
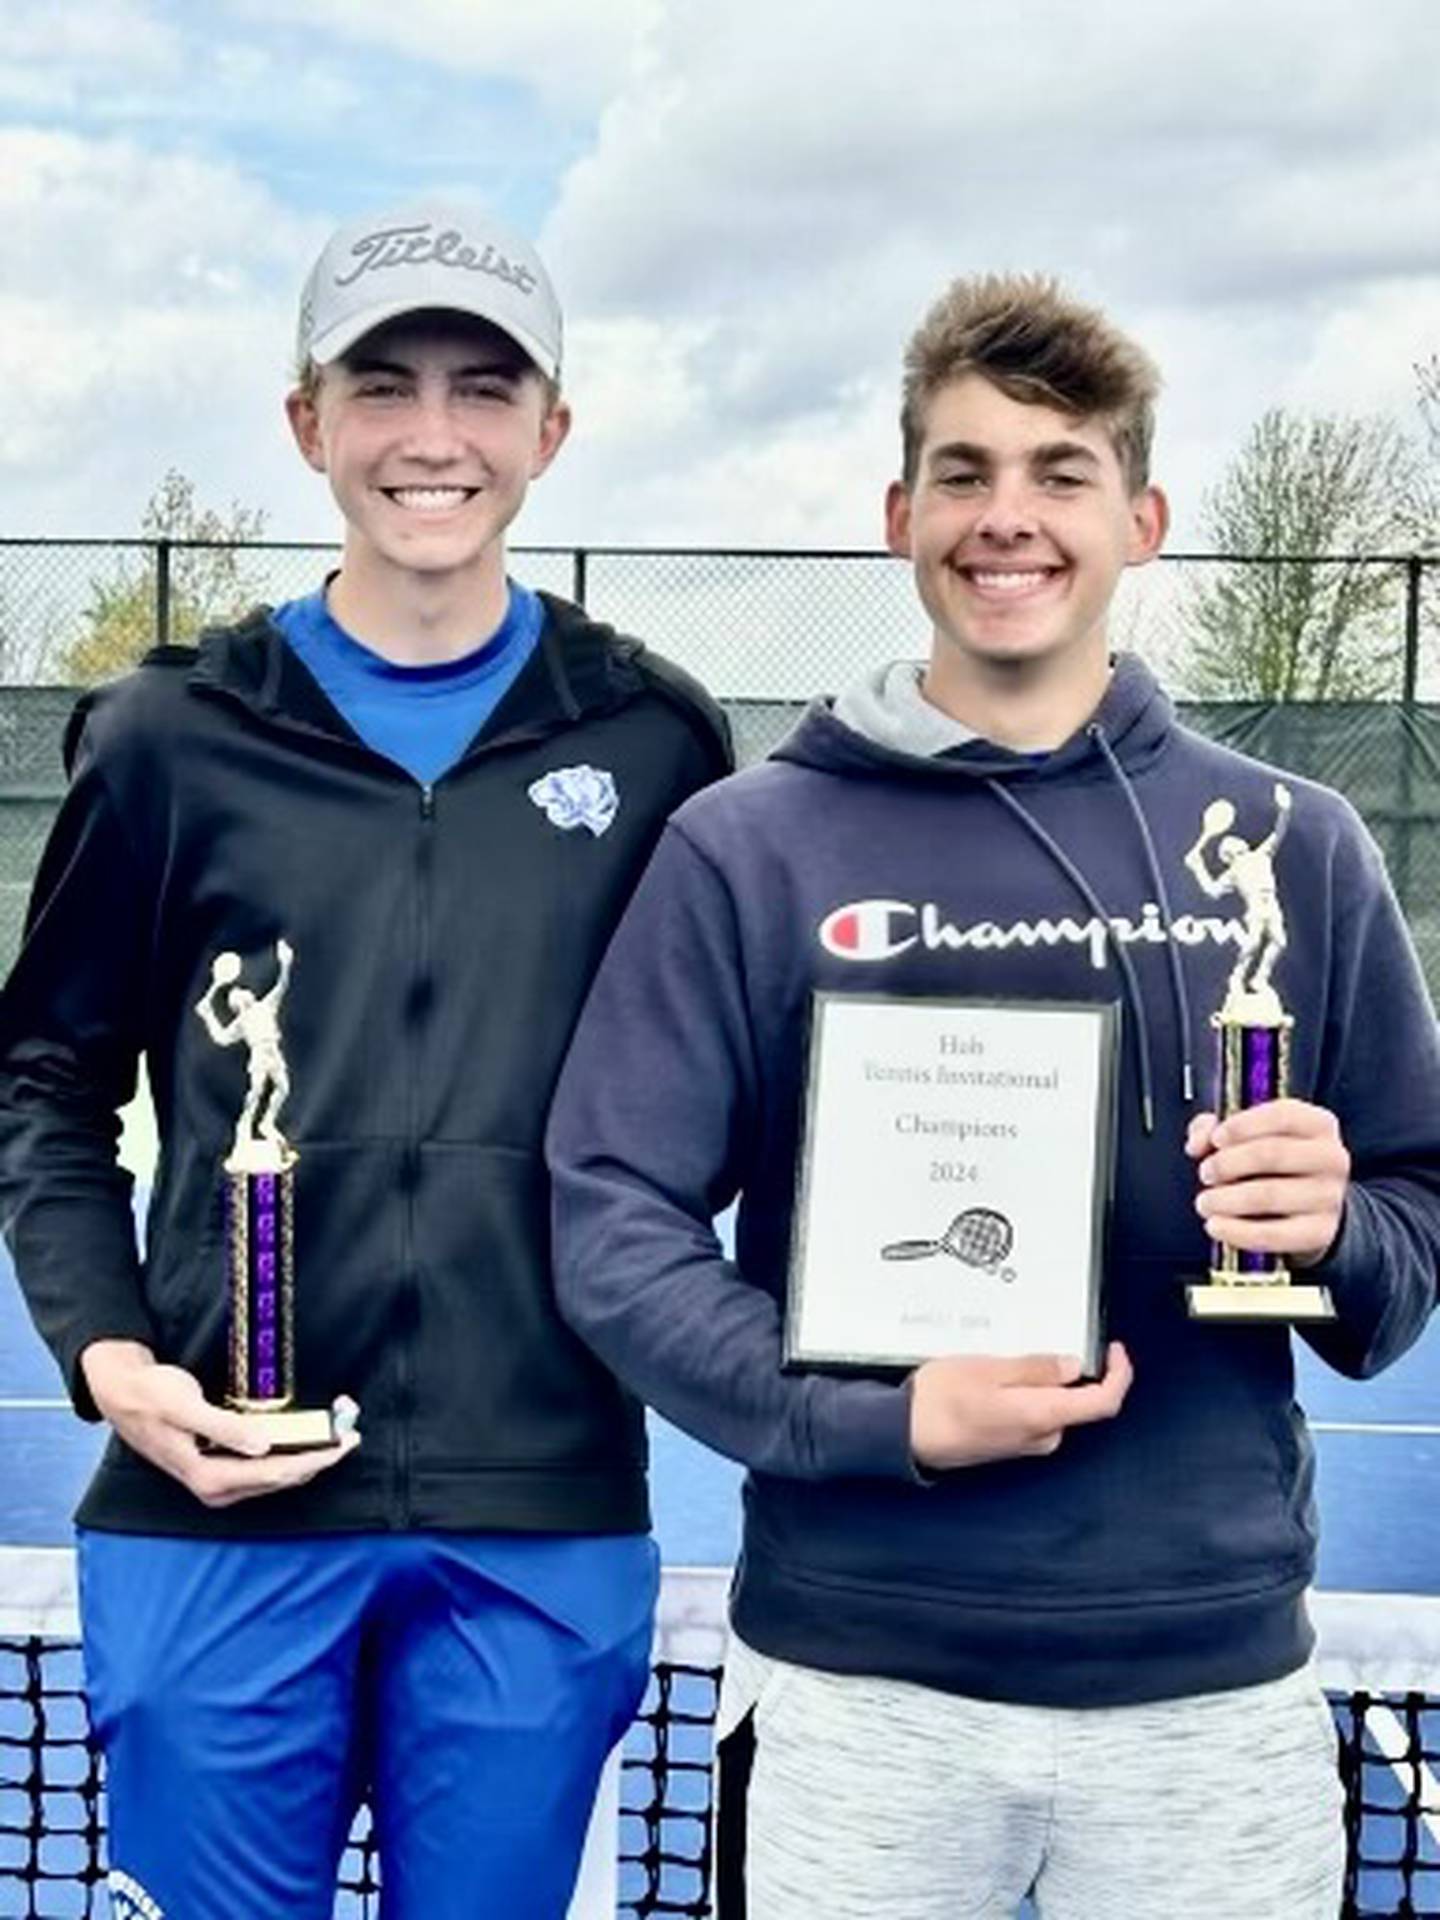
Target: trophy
(259, 1181)
(1253, 1034)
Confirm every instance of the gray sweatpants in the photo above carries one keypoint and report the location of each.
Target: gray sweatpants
(874, 1799)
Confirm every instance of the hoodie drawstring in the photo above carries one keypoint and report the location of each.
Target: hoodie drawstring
(1122, 958)
(1097, 907)
(1178, 988)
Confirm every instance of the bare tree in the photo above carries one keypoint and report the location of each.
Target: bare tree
(1427, 381)
(207, 582)
(1422, 512)
(1303, 606)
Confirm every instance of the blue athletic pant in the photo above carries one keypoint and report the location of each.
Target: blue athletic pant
(247, 1693)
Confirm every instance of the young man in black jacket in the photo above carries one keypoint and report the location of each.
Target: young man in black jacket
(370, 845)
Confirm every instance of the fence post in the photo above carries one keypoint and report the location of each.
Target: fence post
(1414, 566)
(162, 592)
(1404, 875)
(579, 576)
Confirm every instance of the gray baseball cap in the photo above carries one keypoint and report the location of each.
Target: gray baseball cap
(452, 257)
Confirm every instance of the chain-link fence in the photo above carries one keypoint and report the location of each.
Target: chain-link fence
(765, 631)
(768, 624)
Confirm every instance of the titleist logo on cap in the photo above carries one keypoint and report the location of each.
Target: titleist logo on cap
(431, 256)
(421, 246)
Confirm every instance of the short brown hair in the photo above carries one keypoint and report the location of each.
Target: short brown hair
(1025, 335)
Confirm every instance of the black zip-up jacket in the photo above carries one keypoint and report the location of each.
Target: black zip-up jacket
(444, 940)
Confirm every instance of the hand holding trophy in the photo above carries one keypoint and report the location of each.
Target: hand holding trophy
(1254, 1030)
(259, 1175)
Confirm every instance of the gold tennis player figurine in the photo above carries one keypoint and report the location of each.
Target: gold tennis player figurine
(1254, 1032)
(259, 1147)
(259, 1177)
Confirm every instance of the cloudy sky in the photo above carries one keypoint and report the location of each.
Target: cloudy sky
(746, 206)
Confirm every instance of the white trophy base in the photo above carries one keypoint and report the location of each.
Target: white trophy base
(1259, 1300)
(288, 1430)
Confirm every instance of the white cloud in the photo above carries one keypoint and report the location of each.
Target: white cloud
(1034, 128)
(95, 220)
(573, 54)
(647, 467)
(751, 206)
(787, 189)
(50, 56)
(122, 36)
(609, 361)
(1366, 349)
(148, 306)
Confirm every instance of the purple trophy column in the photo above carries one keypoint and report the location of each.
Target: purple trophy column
(264, 1301)
(1259, 1058)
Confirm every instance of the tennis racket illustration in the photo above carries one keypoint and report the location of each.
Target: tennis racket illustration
(978, 1237)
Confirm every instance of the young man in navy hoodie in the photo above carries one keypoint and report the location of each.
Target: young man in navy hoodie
(998, 1628)
(382, 834)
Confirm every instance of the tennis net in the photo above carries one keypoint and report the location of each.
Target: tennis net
(1379, 1662)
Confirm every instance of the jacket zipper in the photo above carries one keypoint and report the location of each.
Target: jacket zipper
(410, 1170)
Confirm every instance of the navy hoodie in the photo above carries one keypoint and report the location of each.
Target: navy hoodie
(1165, 1552)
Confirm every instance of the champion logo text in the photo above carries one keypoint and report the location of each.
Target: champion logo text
(872, 930)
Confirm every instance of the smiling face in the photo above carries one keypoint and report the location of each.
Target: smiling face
(430, 431)
(1018, 524)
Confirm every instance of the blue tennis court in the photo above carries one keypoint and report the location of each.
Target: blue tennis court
(1378, 1445)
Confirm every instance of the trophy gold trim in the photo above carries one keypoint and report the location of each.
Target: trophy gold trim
(1253, 1033)
(259, 1201)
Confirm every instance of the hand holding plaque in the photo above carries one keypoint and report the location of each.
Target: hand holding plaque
(1253, 1043)
(259, 1190)
(968, 1410)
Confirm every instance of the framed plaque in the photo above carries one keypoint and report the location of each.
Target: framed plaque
(955, 1180)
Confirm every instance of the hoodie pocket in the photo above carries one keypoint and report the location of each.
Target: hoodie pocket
(507, 1384)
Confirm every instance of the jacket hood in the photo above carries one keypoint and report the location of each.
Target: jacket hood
(580, 668)
(1135, 718)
